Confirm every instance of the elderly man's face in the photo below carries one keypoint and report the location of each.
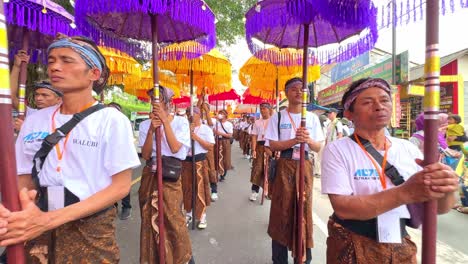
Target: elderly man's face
(372, 109)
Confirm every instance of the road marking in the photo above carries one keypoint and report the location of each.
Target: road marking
(136, 180)
(320, 224)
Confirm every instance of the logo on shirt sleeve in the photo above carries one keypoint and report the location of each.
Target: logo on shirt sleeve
(35, 137)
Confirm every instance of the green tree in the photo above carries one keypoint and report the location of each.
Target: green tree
(230, 18)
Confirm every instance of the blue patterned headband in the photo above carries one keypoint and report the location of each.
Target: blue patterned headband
(89, 54)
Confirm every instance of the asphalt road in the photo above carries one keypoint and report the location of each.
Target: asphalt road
(236, 231)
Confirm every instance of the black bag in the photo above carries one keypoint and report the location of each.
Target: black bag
(416, 209)
(171, 168)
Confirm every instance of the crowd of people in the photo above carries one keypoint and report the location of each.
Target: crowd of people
(75, 159)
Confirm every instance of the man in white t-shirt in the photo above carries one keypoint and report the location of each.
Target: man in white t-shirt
(82, 176)
(175, 145)
(334, 127)
(259, 151)
(286, 135)
(370, 204)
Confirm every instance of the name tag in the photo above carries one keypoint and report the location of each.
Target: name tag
(388, 227)
(55, 197)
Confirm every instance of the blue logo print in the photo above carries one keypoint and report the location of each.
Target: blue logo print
(366, 174)
(35, 136)
(286, 126)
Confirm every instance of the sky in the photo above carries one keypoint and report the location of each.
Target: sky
(453, 36)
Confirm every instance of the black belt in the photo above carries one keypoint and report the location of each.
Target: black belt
(367, 228)
(261, 143)
(223, 138)
(198, 157)
(287, 154)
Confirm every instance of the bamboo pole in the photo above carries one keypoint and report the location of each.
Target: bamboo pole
(431, 124)
(194, 171)
(8, 179)
(158, 174)
(23, 77)
(300, 213)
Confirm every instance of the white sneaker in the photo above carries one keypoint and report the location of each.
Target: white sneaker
(253, 196)
(214, 197)
(203, 224)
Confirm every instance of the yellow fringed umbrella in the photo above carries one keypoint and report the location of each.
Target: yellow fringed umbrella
(212, 72)
(261, 76)
(124, 69)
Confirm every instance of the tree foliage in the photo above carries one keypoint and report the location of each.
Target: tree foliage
(230, 18)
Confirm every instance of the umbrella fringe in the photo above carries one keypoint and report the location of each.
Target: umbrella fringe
(185, 11)
(29, 15)
(409, 11)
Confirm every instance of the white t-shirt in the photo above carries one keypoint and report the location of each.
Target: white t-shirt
(181, 128)
(259, 129)
(346, 169)
(228, 127)
(243, 125)
(205, 133)
(333, 129)
(30, 110)
(98, 147)
(287, 128)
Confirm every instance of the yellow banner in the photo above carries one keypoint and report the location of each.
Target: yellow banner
(417, 90)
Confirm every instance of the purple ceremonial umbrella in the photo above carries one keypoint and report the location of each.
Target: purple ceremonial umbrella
(272, 22)
(32, 25)
(159, 22)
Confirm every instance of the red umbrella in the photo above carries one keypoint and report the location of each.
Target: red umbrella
(250, 99)
(184, 100)
(230, 95)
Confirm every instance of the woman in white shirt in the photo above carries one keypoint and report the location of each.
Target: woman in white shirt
(203, 138)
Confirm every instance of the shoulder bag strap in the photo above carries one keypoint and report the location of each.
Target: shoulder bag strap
(390, 170)
(51, 140)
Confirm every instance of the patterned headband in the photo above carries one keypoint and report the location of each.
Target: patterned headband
(292, 84)
(86, 51)
(377, 82)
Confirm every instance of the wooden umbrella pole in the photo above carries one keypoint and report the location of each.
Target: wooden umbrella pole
(162, 230)
(300, 213)
(194, 171)
(23, 77)
(431, 124)
(8, 180)
(217, 141)
(277, 90)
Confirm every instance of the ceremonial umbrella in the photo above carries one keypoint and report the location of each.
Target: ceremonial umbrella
(266, 79)
(157, 21)
(210, 73)
(272, 22)
(32, 25)
(9, 178)
(248, 98)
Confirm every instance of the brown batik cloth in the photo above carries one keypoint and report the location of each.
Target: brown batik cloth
(224, 156)
(246, 143)
(241, 139)
(257, 175)
(346, 247)
(86, 241)
(178, 245)
(203, 187)
(210, 158)
(282, 225)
